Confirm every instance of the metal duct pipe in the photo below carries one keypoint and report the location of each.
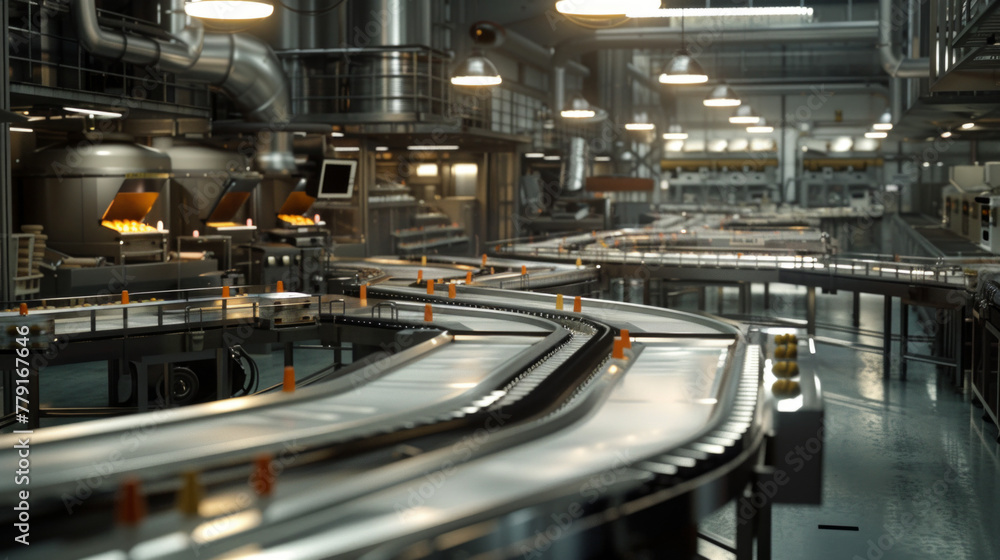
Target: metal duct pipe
(530, 52)
(668, 37)
(891, 54)
(241, 66)
(558, 89)
(575, 170)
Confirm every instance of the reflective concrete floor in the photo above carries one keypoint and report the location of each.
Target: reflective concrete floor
(910, 465)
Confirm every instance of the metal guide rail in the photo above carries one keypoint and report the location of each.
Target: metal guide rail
(672, 421)
(103, 316)
(938, 271)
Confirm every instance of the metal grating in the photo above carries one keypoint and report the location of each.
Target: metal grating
(47, 64)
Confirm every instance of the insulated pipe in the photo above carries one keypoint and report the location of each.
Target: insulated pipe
(669, 37)
(241, 66)
(891, 54)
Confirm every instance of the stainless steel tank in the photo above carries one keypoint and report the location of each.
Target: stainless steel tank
(383, 81)
(72, 188)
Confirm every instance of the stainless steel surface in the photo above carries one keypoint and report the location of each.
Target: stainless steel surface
(577, 165)
(241, 66)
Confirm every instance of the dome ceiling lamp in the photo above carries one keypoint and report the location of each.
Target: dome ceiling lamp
(760, 128)
(744, 115)
(722, 96)
(578, 108)
(884, 123)
(675, 132)
(477, 70)
(229, 9)
(683, 69)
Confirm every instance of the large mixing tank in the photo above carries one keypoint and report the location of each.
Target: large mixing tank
(72, 188)
(209, 185)
(386, 82)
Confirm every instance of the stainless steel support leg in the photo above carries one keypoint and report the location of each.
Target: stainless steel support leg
(721, 297)
(142, 384)
(223, 379)
(811, 310)
(887, 338)
(904, 337)
(856, 310)
(701, 298)
(767, 296)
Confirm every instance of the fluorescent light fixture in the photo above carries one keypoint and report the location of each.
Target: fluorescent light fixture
(578, 108)
(722, 96)
(876, 135)
(476, 71)
(762, 145)
(744, 115)
(882, 127)
(93, 112)
(381, 148)
(721, 12)
(926, 164)
(946, 134)
(640, 126)
(228, 9)
(336, 134)
(552, 158)
(433, 148)
(683, 70)
(968, 125)
(602, 158)
(597, 8)
(675, 132)
(534, 155)
(20, 129)
(346, 149)
(674, 146)
(427, 170)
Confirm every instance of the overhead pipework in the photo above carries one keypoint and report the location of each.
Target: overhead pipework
(890, 52)
(242, 67)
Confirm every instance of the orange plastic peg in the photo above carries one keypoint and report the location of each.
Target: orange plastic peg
(130, 508)
(24, 309)
(577, 304)
(281, 287)
(288, 384)
(428, 313)
(452, 292)
(124, 297)
(626, 339)
(263, 478)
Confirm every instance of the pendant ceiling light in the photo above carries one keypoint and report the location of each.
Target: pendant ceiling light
(476, 70)
(675, 132)
(228, 9)
(578, 108)
(682, 68)
(640, 123)
(722, 96)
(603, 8)
(884, 122)
(744, 115)
(760, 128)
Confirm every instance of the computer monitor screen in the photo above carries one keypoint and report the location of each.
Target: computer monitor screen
(337, 178)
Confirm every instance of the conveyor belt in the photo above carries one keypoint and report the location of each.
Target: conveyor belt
(561, 411)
